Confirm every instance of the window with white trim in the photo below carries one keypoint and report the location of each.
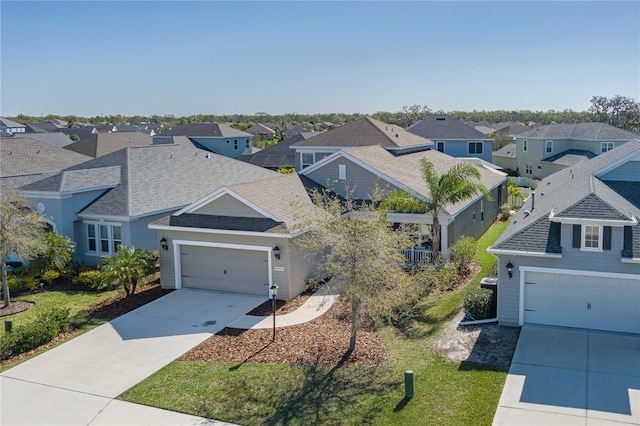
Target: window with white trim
(548, 147)
(591, 237)
(342, 171)
(248, 144)
(606, 146)
(440, 146)
(527, 169)
(525, 145)
(103, 238)
(307, 159)
(235, 144)
(475, 147)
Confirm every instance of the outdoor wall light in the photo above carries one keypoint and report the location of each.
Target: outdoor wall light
(509, 267)
(163, 243)
(276, 252)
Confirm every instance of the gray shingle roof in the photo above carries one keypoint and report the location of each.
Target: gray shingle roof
(585, 131)
(41, 127)
(230, 223)
(25, 156)
(204, 129)
(367, 131)
(101, 144)
(9, 123)
(259, 128)
(81, 132)
(508, 151)
(443, 127)
(277, 155)
(570, 157)
(157, 178)
(53, 138)
(575, 192)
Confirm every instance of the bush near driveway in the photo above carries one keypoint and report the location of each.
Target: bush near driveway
(29, 336)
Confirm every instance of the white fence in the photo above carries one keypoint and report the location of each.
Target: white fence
(525, 181)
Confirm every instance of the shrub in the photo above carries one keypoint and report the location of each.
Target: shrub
(463, 252)
(505, 211)
(29, 336)
(480, 303)
(448, 275)
(91, 279)
(24, 284)
(424, 280)
(492, 270)
(311, 285)
(50, 276)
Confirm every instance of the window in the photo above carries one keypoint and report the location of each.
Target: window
(474, 216)
(525, 145)
(440, 146)
(235, 144)
(342, 171)
(248, 144)
(548, 147)
(481, 210)
(475, 147)
(606, 146)
(591, 237)
(527, 169)
(308, 158)
(103, 238)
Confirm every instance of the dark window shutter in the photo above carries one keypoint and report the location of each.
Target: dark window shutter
(577, 236)
(606, 238)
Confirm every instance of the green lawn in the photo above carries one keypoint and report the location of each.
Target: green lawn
(446, 393)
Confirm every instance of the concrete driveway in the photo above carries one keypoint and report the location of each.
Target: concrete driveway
(75, 383)
(564, 376)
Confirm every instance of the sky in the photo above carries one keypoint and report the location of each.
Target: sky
(90, 58)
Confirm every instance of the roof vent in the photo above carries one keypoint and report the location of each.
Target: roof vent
(207, 156)
(526, 213)
(397, 135)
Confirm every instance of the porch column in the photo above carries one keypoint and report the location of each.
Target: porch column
(444, 240)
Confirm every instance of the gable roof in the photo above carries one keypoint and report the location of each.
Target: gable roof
(279, 154)
(570, 157)
(31, 160)
(366, 131)
(155, 178)
(205, 130)
(442, 126)
(81, 132)
(584, 131)
(259, 128)
(101, 144)
(508, 151)
(5, 122)
(53, 138)
(404, 171)
(576, 193)
(41, 127)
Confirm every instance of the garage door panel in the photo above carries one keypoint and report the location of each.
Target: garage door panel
(224, 269)
(594, 302)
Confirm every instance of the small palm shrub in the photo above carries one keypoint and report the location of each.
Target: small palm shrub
(90, 279)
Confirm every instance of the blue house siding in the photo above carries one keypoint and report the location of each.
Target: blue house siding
(229, 147)
(460, 148)
(628, 172)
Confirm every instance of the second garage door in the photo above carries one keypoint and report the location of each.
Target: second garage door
(600, 303)
(225, 269)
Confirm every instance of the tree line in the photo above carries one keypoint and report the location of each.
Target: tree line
(619, 111)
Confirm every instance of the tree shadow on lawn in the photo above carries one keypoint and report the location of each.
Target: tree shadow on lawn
(319, 394)
(418, 324)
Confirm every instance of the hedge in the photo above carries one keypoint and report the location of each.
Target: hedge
(42, 330)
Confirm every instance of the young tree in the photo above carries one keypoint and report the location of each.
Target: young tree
(126, 268)
(359, 250)
(460, 183)
(20, 228)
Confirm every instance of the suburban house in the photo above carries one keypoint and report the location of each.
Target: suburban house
(261, 132)
(10, 126)
(53, 138)
(571, 256)
(277, 155)
(80, 132)
(214, 137)
(365, 131)
(26, 160)
(135, 128)
(453, 137)
(110, 200)
(239, 238)
(544, 150)
(357, 172)
(44, 127)
(101, 144)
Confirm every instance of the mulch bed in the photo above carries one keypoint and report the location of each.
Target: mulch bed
(282, 306)
(323, 341)
(15, 307)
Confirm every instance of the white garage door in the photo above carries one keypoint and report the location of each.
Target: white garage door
(599, 303)
(225, 269)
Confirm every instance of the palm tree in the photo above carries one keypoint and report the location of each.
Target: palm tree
(126, 268)
(56, 254)
(460, 183)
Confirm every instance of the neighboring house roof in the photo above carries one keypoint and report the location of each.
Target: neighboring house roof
(5, 122)
(53, 138)
(570, 157)
(508, 151)
(484, 130)
(41, 127)
(101, 144)
(404, 170)
(104, 128)
(584, 131)
(204, 130)
(153, 178)
(295, 129)
(577, 192)
(259, 129)
(366, 131)
(81, 132)
(25, 160)
(442, 126)
(277, 155)
(513, 129)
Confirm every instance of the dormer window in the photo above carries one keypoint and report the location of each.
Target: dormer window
(307, 159)
(548, 147)
(606, 146)
(591, 237)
